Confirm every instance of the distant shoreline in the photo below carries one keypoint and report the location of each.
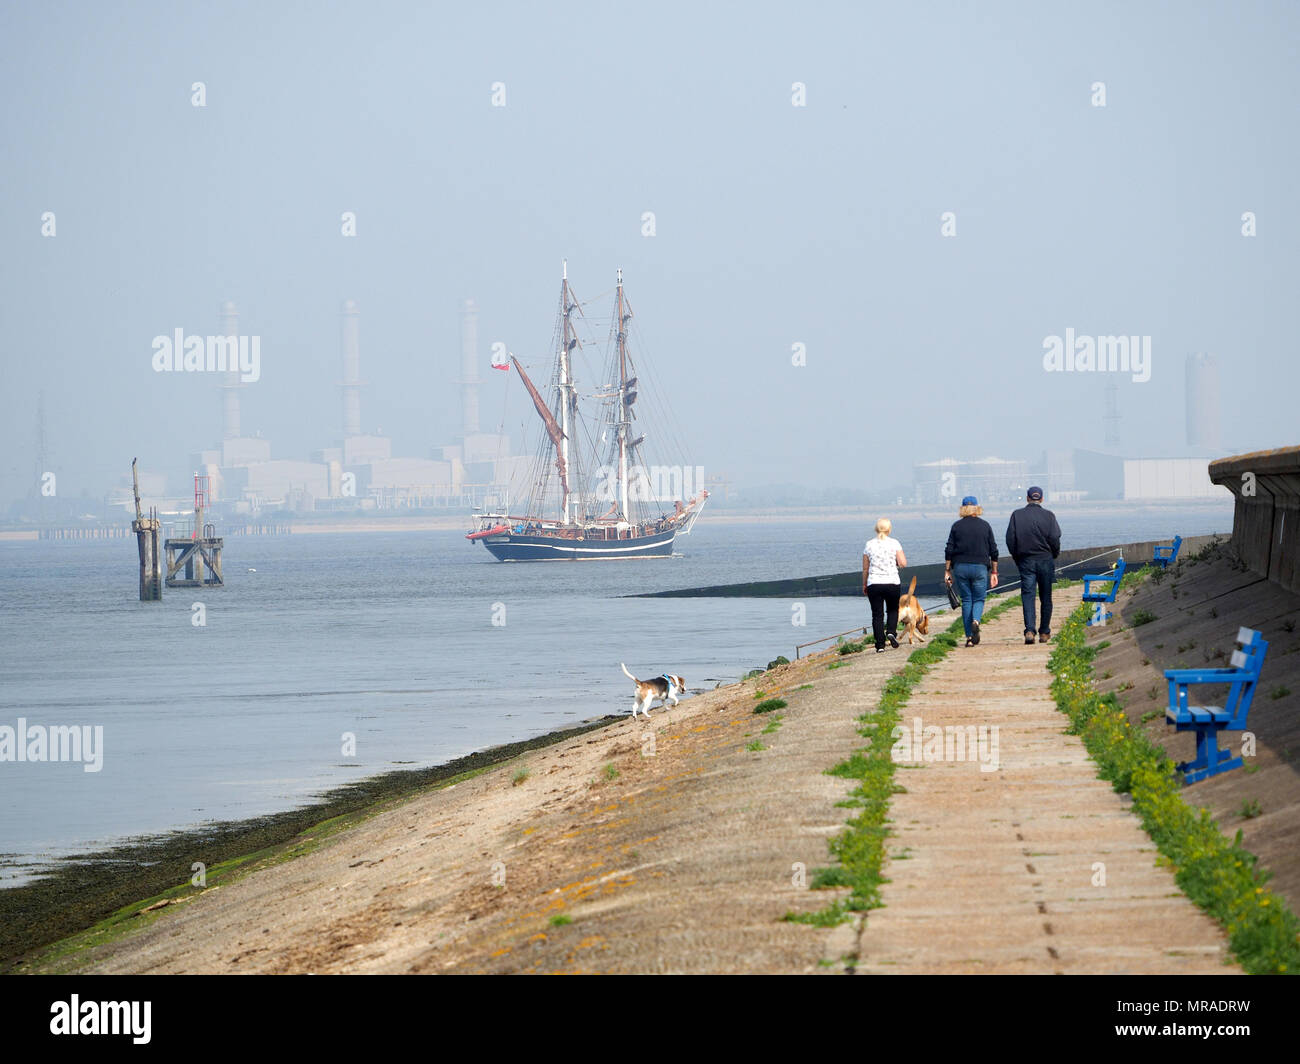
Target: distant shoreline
(866, 514)
(763, 515)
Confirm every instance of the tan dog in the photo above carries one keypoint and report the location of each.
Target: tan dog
(911, 615)
(665, 688)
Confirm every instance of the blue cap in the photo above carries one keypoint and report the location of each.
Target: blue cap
(1034, 493)
(970, 500)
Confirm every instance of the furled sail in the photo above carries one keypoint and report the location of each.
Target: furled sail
(552, 427)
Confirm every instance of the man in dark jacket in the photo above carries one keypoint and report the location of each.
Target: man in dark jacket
(1034, 541)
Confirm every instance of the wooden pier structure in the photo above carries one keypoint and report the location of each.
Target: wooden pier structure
(199, 555)
(146, 538)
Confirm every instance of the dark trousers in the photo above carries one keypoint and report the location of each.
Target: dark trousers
(883, 597)
(1037, 574)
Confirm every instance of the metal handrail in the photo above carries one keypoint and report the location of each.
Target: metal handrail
(800, 646)
(1004, 587)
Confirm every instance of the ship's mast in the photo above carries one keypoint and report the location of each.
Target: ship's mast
(622, 400)
(564, 379)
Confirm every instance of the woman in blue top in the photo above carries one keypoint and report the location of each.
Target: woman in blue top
(971, 563)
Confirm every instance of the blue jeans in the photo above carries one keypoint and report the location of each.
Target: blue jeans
(1037, 574)
(971, 579)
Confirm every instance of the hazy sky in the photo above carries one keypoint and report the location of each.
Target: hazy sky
(775, 224)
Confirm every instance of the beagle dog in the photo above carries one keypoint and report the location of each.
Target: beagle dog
(665, 688)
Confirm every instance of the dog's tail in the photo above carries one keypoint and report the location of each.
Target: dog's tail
(628, 674)
(912, 589)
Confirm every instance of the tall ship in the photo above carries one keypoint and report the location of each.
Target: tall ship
(591, 494)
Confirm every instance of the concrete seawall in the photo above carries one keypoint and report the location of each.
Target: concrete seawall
(929, 578)
(1266, 519)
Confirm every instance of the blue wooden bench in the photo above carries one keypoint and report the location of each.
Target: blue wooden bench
(1100, 615)
(1166, 556)
(1207, 721)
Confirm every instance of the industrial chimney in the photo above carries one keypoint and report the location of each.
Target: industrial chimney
(350, 340)
(230, 385)
(1203, 428)
(469, 366)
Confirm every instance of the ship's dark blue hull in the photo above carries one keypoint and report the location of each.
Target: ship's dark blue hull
(512, 547)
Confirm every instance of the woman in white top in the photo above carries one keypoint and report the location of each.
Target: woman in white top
(882, 557)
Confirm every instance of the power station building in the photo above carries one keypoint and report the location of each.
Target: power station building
(989, 479)
(241, 470)
(1111, 476)
(361, 465)
(359, 470)
(483, 458)
(1097, 474)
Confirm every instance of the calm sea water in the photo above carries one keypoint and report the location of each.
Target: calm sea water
(390, 637)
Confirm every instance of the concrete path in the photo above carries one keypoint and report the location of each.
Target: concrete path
(1002, 871)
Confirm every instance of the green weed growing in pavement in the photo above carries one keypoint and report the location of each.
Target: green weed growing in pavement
(1217, 874)
(860, 847)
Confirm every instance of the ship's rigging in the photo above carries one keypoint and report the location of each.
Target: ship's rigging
(566, 483)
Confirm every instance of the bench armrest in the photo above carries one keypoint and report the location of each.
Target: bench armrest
(1195, 676)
